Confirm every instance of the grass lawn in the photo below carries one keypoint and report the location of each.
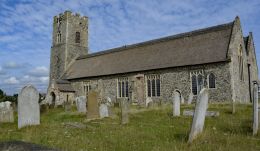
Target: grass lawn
(152, 130)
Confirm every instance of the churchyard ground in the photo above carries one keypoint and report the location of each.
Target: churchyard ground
(148, 129)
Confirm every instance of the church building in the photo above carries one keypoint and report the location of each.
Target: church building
(219, 58)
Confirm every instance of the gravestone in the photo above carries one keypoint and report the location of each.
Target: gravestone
(67, 106)
(6, 112)
(81, 104)
(148, 102)
(255, 108)
(190, 98)
(124, 111)
(199, 115)
(182, 99)
(92, 105)
(28, 107)
(103, 111)
(176, 103)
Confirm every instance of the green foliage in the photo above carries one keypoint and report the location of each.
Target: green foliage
(149, 129)
(4, 97)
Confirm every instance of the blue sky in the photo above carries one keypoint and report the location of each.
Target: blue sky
(26, 28)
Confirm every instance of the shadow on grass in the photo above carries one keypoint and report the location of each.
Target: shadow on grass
(182, 137)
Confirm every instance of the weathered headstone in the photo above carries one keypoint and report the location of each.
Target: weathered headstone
(92, 107)
(199, 115)
(182, 99)
(176, 103)
(67, 106)
(6, 112)
(148, 102)
(81, 104)
(124, 111)
(190, 98)
(28, 107)
(103, 111)
(255, 108)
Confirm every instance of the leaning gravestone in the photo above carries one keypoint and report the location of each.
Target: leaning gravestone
(6, 112)
(190, 98)
(28, 107)
(255, 108)
(92, 107)
(81, 104)
(103, 111)
(199, 115)
(124, 111)
(176, 103)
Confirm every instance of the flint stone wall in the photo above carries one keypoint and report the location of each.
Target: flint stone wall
(171, 79)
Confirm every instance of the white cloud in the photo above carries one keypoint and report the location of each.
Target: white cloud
(11, 80)
(12, 65)
(39, 71)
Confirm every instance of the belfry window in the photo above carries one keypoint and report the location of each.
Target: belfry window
(211, 81)
(77, 37)
(58, 37)
(122, 87)
(153, 86)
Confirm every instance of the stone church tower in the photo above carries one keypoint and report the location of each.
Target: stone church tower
(69, 40)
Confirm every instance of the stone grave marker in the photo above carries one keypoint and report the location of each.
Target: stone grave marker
(182, 99)
(28, 107)
(148, 102)
(124, 111)
(190, 98)
(255, 108)
(81, 104)
(6, 112)
(103, 111)
(92, 107)
(176, 103)
(199, 115)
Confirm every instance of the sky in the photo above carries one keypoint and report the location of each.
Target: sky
(26, 28)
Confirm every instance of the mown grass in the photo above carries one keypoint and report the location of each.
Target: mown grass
(152, 130)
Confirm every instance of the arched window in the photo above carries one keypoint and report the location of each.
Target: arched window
(123, 87)
(158, 87)
(200, 82)
(77, 38)
(58, 37)
(153, 86)
(240, 63)
(194, 84)
(148, 87)
(211, 81)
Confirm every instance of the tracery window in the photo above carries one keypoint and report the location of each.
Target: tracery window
(122, 87)
(153, 86)
(197, 82)
(86, 87)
